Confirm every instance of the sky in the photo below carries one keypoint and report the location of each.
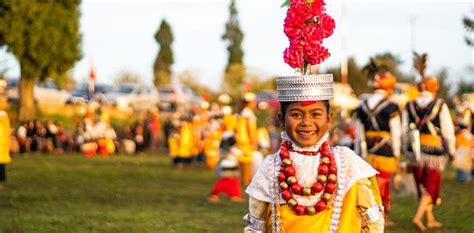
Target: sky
(119, 36)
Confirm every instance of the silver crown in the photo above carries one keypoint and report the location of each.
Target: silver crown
(309, 87)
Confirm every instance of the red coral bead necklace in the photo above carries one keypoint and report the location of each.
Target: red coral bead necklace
(325, 182)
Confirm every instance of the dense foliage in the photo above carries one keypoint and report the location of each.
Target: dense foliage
(162, 67)
(44, 37)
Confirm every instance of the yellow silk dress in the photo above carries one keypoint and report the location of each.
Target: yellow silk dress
(361, 195)
(4, 138)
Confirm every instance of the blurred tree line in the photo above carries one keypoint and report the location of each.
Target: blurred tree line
(44, 37)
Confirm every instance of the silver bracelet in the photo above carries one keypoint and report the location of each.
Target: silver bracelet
(373, 214)
(255, 224)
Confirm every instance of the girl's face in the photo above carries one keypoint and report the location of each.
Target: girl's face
(305, 125)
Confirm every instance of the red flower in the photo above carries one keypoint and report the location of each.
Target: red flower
(293, 57)
(313, 33)
(298, 43)
(298, 13)
(327, 25)
(306, 25)
(315, 54)
(293, 32)
(318, 7)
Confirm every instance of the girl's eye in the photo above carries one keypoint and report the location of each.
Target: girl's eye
(316, 114)
(295, 115)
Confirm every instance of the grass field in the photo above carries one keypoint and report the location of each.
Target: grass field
(50, 193)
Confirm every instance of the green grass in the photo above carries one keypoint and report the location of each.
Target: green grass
(50, 193)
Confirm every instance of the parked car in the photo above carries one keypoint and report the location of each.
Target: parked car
(178, 98)
(137, 97)
(45, 93)
(80, 95)
(267, 100)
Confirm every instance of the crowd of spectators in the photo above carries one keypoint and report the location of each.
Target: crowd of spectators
(94, 134)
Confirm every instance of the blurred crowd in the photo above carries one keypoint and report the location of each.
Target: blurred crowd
(94, 134)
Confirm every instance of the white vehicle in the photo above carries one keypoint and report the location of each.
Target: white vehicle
(137, 97)
(45, 93)
(178, 98)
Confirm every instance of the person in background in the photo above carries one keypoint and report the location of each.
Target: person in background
(185, 153)
(22, 138)
(431, 117)
(247, 136)
(464, 153)
(128, 144)
(380, 123)
(228, 172)
(154, 126)
(139, 136)
(4, 141)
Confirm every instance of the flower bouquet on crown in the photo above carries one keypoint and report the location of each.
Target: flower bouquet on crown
(306, 25)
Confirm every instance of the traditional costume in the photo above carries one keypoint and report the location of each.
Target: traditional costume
(380, 125)
(246, 135)
(432, 119)
(229, 175)
(315, 188)
(429, 119)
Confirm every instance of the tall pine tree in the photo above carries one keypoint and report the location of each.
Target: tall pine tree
(235, 69)
(164, 60)
(45, 39)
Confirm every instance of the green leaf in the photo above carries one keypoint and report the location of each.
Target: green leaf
(285, 4)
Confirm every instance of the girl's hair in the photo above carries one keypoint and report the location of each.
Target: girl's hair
(284, 106)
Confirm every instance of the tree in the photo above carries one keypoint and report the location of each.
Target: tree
(190, 79)
(127, 77)
(44, 37)
(464, 87)
(235, 69)
(234, 37)
(469, 25)
(444, 85)
(233, 80)
(390, 62)
(164, 60)
(65, 80)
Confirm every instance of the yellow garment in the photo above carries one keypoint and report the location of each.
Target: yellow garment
(373, 134)
(211, 148)
(246, 133)
(173, 145)
(109, 143)
(431, 140)
(230, 122)
(196, 134)
(383, 163)
(186, 141)
(246, 141)
(363, 194)
(4, 138)
(463, 139)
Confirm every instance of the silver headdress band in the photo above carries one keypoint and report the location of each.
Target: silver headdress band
(310, 87)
